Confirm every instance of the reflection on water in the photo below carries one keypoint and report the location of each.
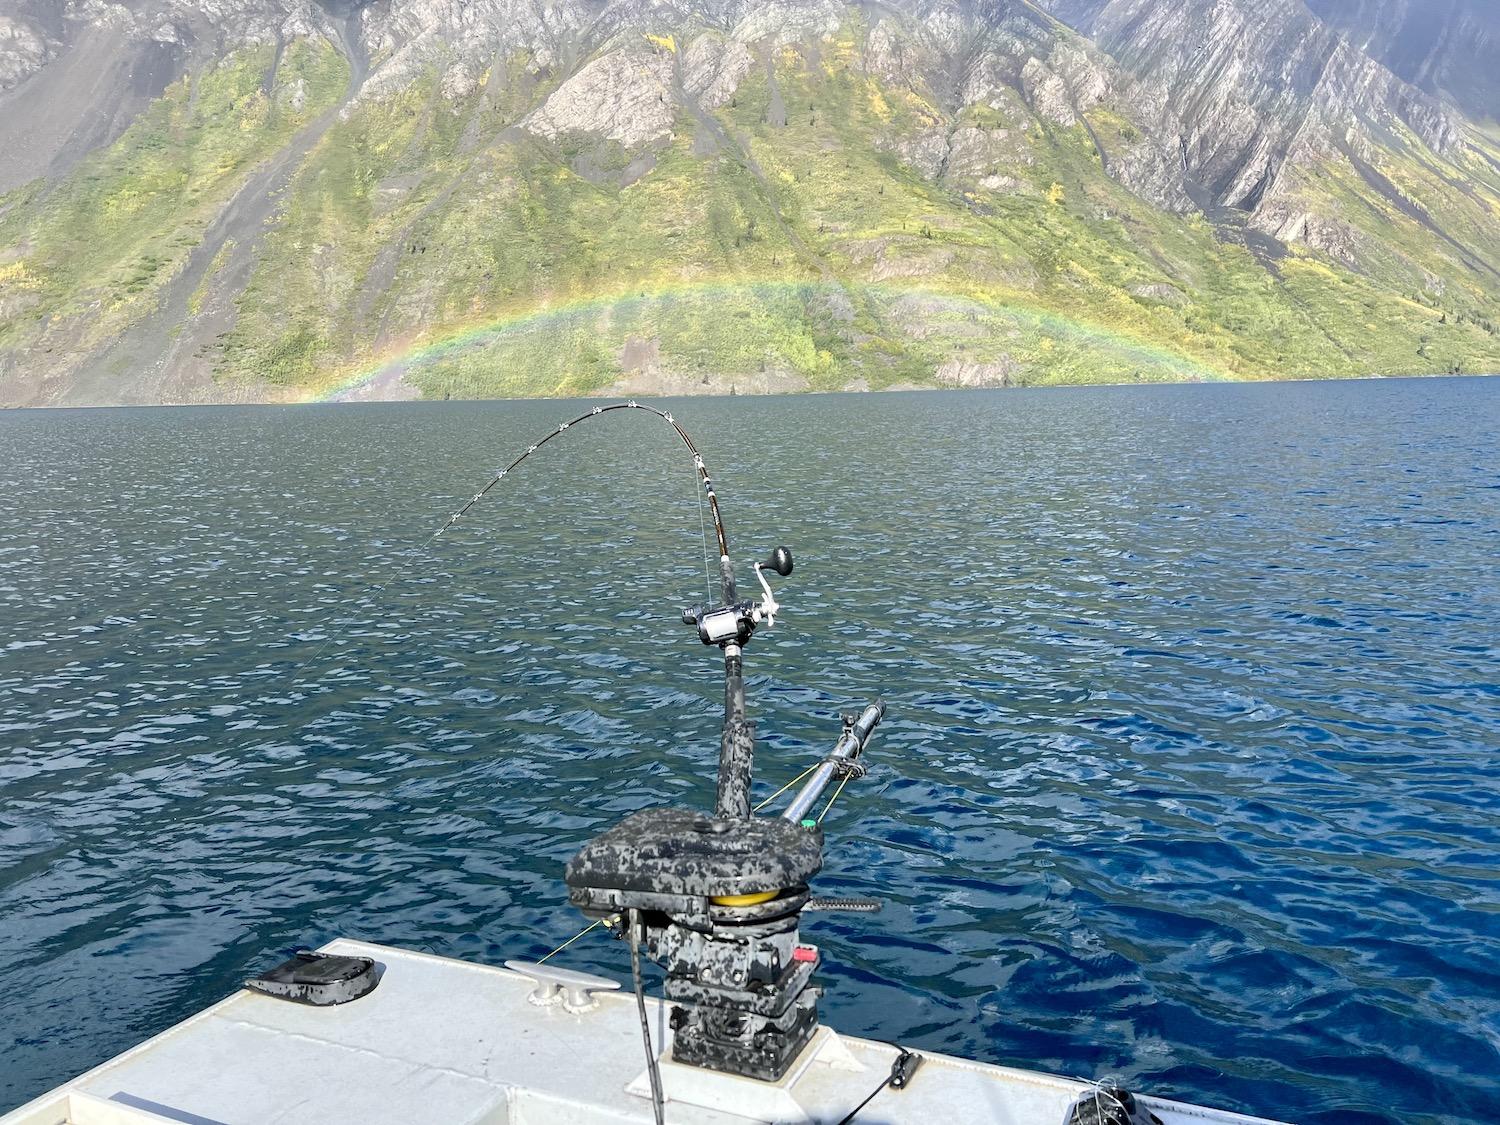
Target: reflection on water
(1189, 775)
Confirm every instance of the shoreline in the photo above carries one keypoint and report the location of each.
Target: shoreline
(899, 389)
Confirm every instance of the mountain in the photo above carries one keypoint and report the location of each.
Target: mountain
(271, 200)
(1449, 48)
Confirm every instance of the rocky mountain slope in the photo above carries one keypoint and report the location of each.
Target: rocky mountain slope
(265, 200)
(1449, 48)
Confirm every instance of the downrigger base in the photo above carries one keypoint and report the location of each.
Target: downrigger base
(717, 903)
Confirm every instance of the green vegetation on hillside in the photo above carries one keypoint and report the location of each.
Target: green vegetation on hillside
(94, 251)
(813, 253)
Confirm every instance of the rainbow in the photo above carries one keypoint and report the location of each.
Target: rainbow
(415, 353)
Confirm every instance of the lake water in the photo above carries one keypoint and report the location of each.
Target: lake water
(1190, 774)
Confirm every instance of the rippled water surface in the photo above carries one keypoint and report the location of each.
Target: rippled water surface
(1190, 774)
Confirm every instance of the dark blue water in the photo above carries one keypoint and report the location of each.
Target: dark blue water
(1190, 775)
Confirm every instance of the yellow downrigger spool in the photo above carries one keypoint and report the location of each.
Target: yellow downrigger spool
(754, 899)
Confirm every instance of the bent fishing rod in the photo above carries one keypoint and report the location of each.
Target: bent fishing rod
(729, 625)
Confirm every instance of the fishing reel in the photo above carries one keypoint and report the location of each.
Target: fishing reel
(736, 623)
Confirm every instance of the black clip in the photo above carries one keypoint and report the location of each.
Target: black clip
(903, 1068)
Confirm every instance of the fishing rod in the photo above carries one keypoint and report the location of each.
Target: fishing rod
(563, 427)
(728, 625)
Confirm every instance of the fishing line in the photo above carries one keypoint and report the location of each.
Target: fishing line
(787, 786)
(698, 466)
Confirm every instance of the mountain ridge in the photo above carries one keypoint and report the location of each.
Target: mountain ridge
(262, 200)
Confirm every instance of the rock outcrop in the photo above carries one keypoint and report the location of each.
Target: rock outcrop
(959, 373)
(622, 96)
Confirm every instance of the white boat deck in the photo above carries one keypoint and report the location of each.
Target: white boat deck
(442, 1041)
